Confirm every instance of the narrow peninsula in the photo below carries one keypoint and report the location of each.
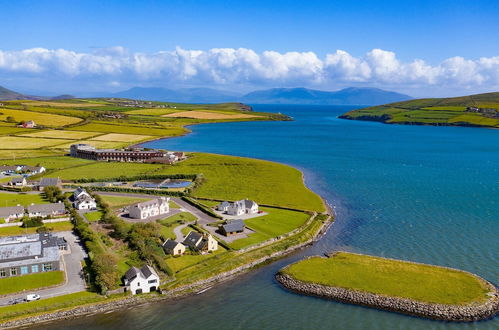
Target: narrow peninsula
(480, 110)
(394, 285)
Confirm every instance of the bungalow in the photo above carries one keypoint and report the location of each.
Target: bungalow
(27, 124)
(150, 208)
(45, 210)
(232, 227)
(9, 169)
(141, 280)
(11, 213)
(47, 182)
(18, 182)
(85, 203)
(33, 169)
(244, 206)
(200, 242)
(173, 247)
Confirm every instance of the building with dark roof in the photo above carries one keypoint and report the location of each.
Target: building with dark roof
(87, 151)
(10, 213)
(47, 182)
(141, 280)
(200, 242)
(232, 227)
(29, 254)
(45, 210)
(173, 247)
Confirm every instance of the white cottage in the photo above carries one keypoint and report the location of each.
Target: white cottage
(141, 280)
(241, 207)
(173, 247)
(150, 208)
(82, 200)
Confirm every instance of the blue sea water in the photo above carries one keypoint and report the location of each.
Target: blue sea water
(420, 193)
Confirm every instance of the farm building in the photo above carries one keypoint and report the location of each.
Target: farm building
(232, 227)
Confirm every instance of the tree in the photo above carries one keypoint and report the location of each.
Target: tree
(11, 119)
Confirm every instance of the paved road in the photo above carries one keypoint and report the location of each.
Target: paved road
(179, 237)
(72, 261)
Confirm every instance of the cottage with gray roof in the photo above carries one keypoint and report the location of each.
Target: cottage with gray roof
(45, 210)
(200, 242)
(232, 227)
(244, 206)
(29, 254)
(18, 182)
(10, 213)
(173, 247)
(141, 280)
(82, 200)
(47, 182)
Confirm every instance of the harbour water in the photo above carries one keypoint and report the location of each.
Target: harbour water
(420, 193)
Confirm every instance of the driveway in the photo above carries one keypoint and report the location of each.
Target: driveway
(74, 273)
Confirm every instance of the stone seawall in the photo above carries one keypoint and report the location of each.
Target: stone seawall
(457, 313)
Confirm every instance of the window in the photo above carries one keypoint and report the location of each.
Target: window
(24, 270)
(47, 267)
(13, 271)
(152, 281)
(138, 283)
(34, 269)
(3, 273)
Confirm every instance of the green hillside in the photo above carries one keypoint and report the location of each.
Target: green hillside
(480, 110)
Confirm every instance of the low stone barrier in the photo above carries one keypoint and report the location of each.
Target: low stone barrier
(457, 313)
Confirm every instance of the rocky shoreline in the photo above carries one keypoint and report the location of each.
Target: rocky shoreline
(455, 313)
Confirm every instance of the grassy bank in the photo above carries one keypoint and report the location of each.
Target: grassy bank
(389, 277)
(29, 282)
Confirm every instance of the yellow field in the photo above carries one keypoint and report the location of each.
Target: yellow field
(97, 144)
(14, 142)
(45, 119)
(56, 134)
(6, 130)
(207, 115)
(122, 137)
(152, 112)
(61, 104)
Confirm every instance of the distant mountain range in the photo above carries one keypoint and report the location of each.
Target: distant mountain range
(347, 96)
(7, 94)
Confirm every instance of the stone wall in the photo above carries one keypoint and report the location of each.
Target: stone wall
(465, 313)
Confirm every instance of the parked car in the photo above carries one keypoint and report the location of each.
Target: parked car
(15, 301)
(32, 297)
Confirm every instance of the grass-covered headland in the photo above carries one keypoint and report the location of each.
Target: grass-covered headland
(407, 287)
(481, 110)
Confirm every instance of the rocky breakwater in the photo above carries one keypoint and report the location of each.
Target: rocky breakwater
(456, 313)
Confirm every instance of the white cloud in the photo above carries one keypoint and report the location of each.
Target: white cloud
(228, 67)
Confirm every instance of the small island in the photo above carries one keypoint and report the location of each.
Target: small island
(394, 285)
(480, 110)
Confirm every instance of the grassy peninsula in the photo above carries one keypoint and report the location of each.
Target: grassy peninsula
(480, 110)
(396, 285)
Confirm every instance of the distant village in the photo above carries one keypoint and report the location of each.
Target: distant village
(489, 112)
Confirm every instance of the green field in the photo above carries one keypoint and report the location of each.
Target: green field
(45, 119)
(186, 260)
(30, 282)
(168, 224)
(51, 163)
(130, 129)
(56, 226)
(234, 178)
(102, 170)
(14, 142)
(120, 201)
(93, 216)
(276, 223)
(60, 134)
(394, 278)
(24, 199)
(441, 111)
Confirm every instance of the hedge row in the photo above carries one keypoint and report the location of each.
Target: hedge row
(201, 207)
(140, 177)
(135, 191)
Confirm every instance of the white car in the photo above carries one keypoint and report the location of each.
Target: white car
(32, 297)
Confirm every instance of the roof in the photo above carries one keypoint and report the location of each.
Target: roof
(18, 180)
(193, 239)
(170, 244)
(146, 271)
(234, 225)
(32, 168)
(8, 168)
(26, 249)
(249, 203)
(132, 273)
(224, 204)
(157, 201)
(10, 210)
(46, 208)
(45, 182)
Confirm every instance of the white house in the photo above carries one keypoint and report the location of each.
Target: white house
(85, 203)
(150, 208)
(11, 212)
(18, 182)
(173, 247)
(45, 210)
(244, 206)
(79, 192)
(141, 280)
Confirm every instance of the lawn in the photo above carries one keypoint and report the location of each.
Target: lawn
(56, 226)
(129, 129)
(276, 223)
(63, 104)
(104, 170)
(23, 153)
(182, 262)
(60, 134)
(152, 112)
(93, 216)
(14, 142)
(168, 224)
(5, 130)
(51, 163)
(120, 201)
(122, 137)
(234, 178)
(29, 282)
(13, 199)
(45, 119)
(50, 304)
(391, 277)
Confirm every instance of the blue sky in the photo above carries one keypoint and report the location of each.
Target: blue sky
(432, 31)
